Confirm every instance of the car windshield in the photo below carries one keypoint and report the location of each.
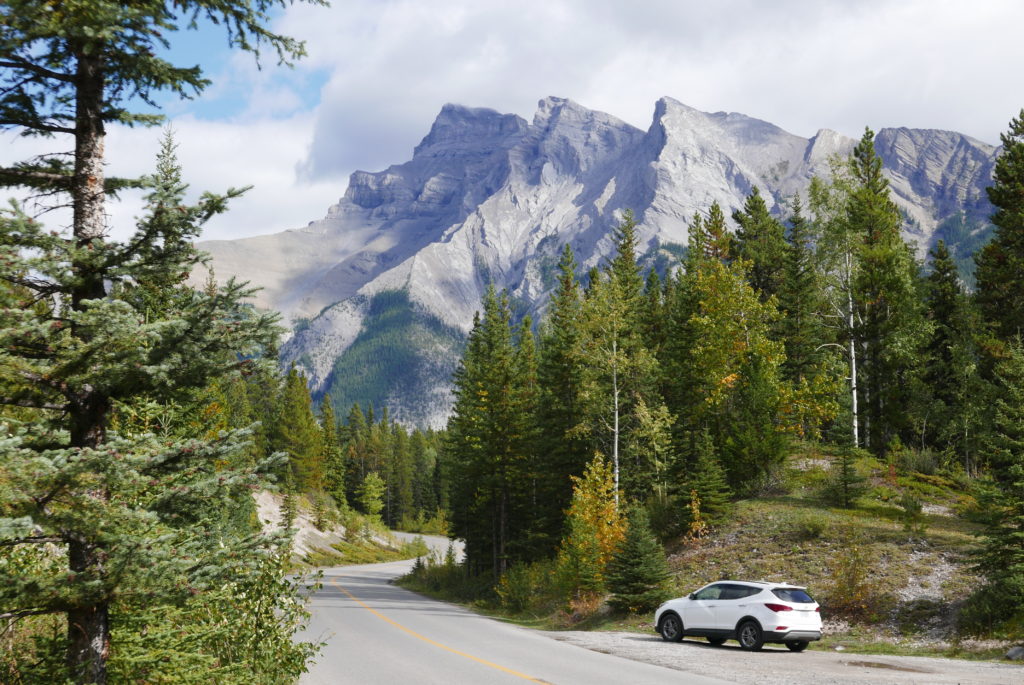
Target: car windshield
(795, 595)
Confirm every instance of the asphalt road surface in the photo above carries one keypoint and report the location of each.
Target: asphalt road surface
(377, 633)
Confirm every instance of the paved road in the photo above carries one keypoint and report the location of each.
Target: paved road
(379, 633)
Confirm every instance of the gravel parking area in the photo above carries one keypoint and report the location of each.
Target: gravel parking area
(776, 665)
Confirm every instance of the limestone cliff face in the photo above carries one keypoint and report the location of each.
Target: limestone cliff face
(490, 197)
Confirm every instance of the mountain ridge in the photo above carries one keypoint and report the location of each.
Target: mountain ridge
(489, 197)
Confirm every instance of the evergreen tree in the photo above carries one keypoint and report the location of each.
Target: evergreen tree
(892, 328)
(561, 442)
(489, 450)
(400, 479)
(799, 300)
(845, 484)
(297, 433)
(69, 70)
(129, 510)
(638, 571)
(951, 368)
(707, 478)
(1001, 558)
(424, 458)
(371, 495)
(333, 461)
(760, 239)
(1000, 264)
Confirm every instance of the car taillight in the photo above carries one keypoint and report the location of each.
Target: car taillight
(818, 609)
(778, 607)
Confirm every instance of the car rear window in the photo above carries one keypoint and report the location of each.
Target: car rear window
(793, 595)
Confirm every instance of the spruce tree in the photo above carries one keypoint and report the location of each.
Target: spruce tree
(69, 71)
(952, 365)
(297, 433)
(114, 503)
(706, 477)
(560, 439)
(333, 461)
(800, 300)
(1001, 557)
(638, 572)
(487, 444)
(760, 239)
(1000, 264)
(891, 327)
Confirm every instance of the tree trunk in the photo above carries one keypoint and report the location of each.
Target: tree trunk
(853, 353)
(615, 430)
(89, 625)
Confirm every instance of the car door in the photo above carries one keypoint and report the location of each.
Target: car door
(732, 605)
(700, 612)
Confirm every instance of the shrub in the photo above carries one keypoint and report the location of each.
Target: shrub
(852, 590)
(809, 527)
(530, 588)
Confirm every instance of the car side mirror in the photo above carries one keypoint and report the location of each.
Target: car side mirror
(693, 595)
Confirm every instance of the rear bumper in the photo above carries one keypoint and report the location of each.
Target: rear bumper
(793, 636)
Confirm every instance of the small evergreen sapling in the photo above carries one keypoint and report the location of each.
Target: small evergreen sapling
(638, 570)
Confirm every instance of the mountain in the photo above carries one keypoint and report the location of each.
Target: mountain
(382, 291)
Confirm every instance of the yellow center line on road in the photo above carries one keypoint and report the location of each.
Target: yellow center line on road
(334, 582)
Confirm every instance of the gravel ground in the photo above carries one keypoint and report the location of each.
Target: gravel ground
(776, 665)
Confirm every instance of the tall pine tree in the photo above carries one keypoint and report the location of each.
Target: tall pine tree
(1000, 264)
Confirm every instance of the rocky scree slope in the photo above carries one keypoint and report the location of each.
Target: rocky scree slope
(382, 290)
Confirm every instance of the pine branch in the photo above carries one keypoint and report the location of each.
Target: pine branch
(30, 404)
(12, 176)
(14, 62)
(22, 613)
(35, 540)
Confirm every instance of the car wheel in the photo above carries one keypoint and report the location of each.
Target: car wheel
(717, 641)
(750, 636)
(671, 628)
(798, 646)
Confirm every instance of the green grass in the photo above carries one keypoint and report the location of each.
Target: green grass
(362, 551)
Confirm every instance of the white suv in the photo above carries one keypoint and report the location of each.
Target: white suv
(751, 612)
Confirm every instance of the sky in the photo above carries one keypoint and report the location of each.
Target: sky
(378, 72)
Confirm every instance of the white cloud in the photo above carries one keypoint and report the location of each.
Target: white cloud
(391, 64)
(802, 65)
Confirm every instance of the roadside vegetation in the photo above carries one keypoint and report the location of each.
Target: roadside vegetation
(892, 571)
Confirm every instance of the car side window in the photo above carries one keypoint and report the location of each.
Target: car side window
(710, 592)
(737, 591)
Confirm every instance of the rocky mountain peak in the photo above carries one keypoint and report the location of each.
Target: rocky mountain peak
(459, 128)
(403, 259)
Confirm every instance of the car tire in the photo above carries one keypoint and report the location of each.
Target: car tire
(671, 628)
(717, 641)
(797, 646)
(750, 636)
